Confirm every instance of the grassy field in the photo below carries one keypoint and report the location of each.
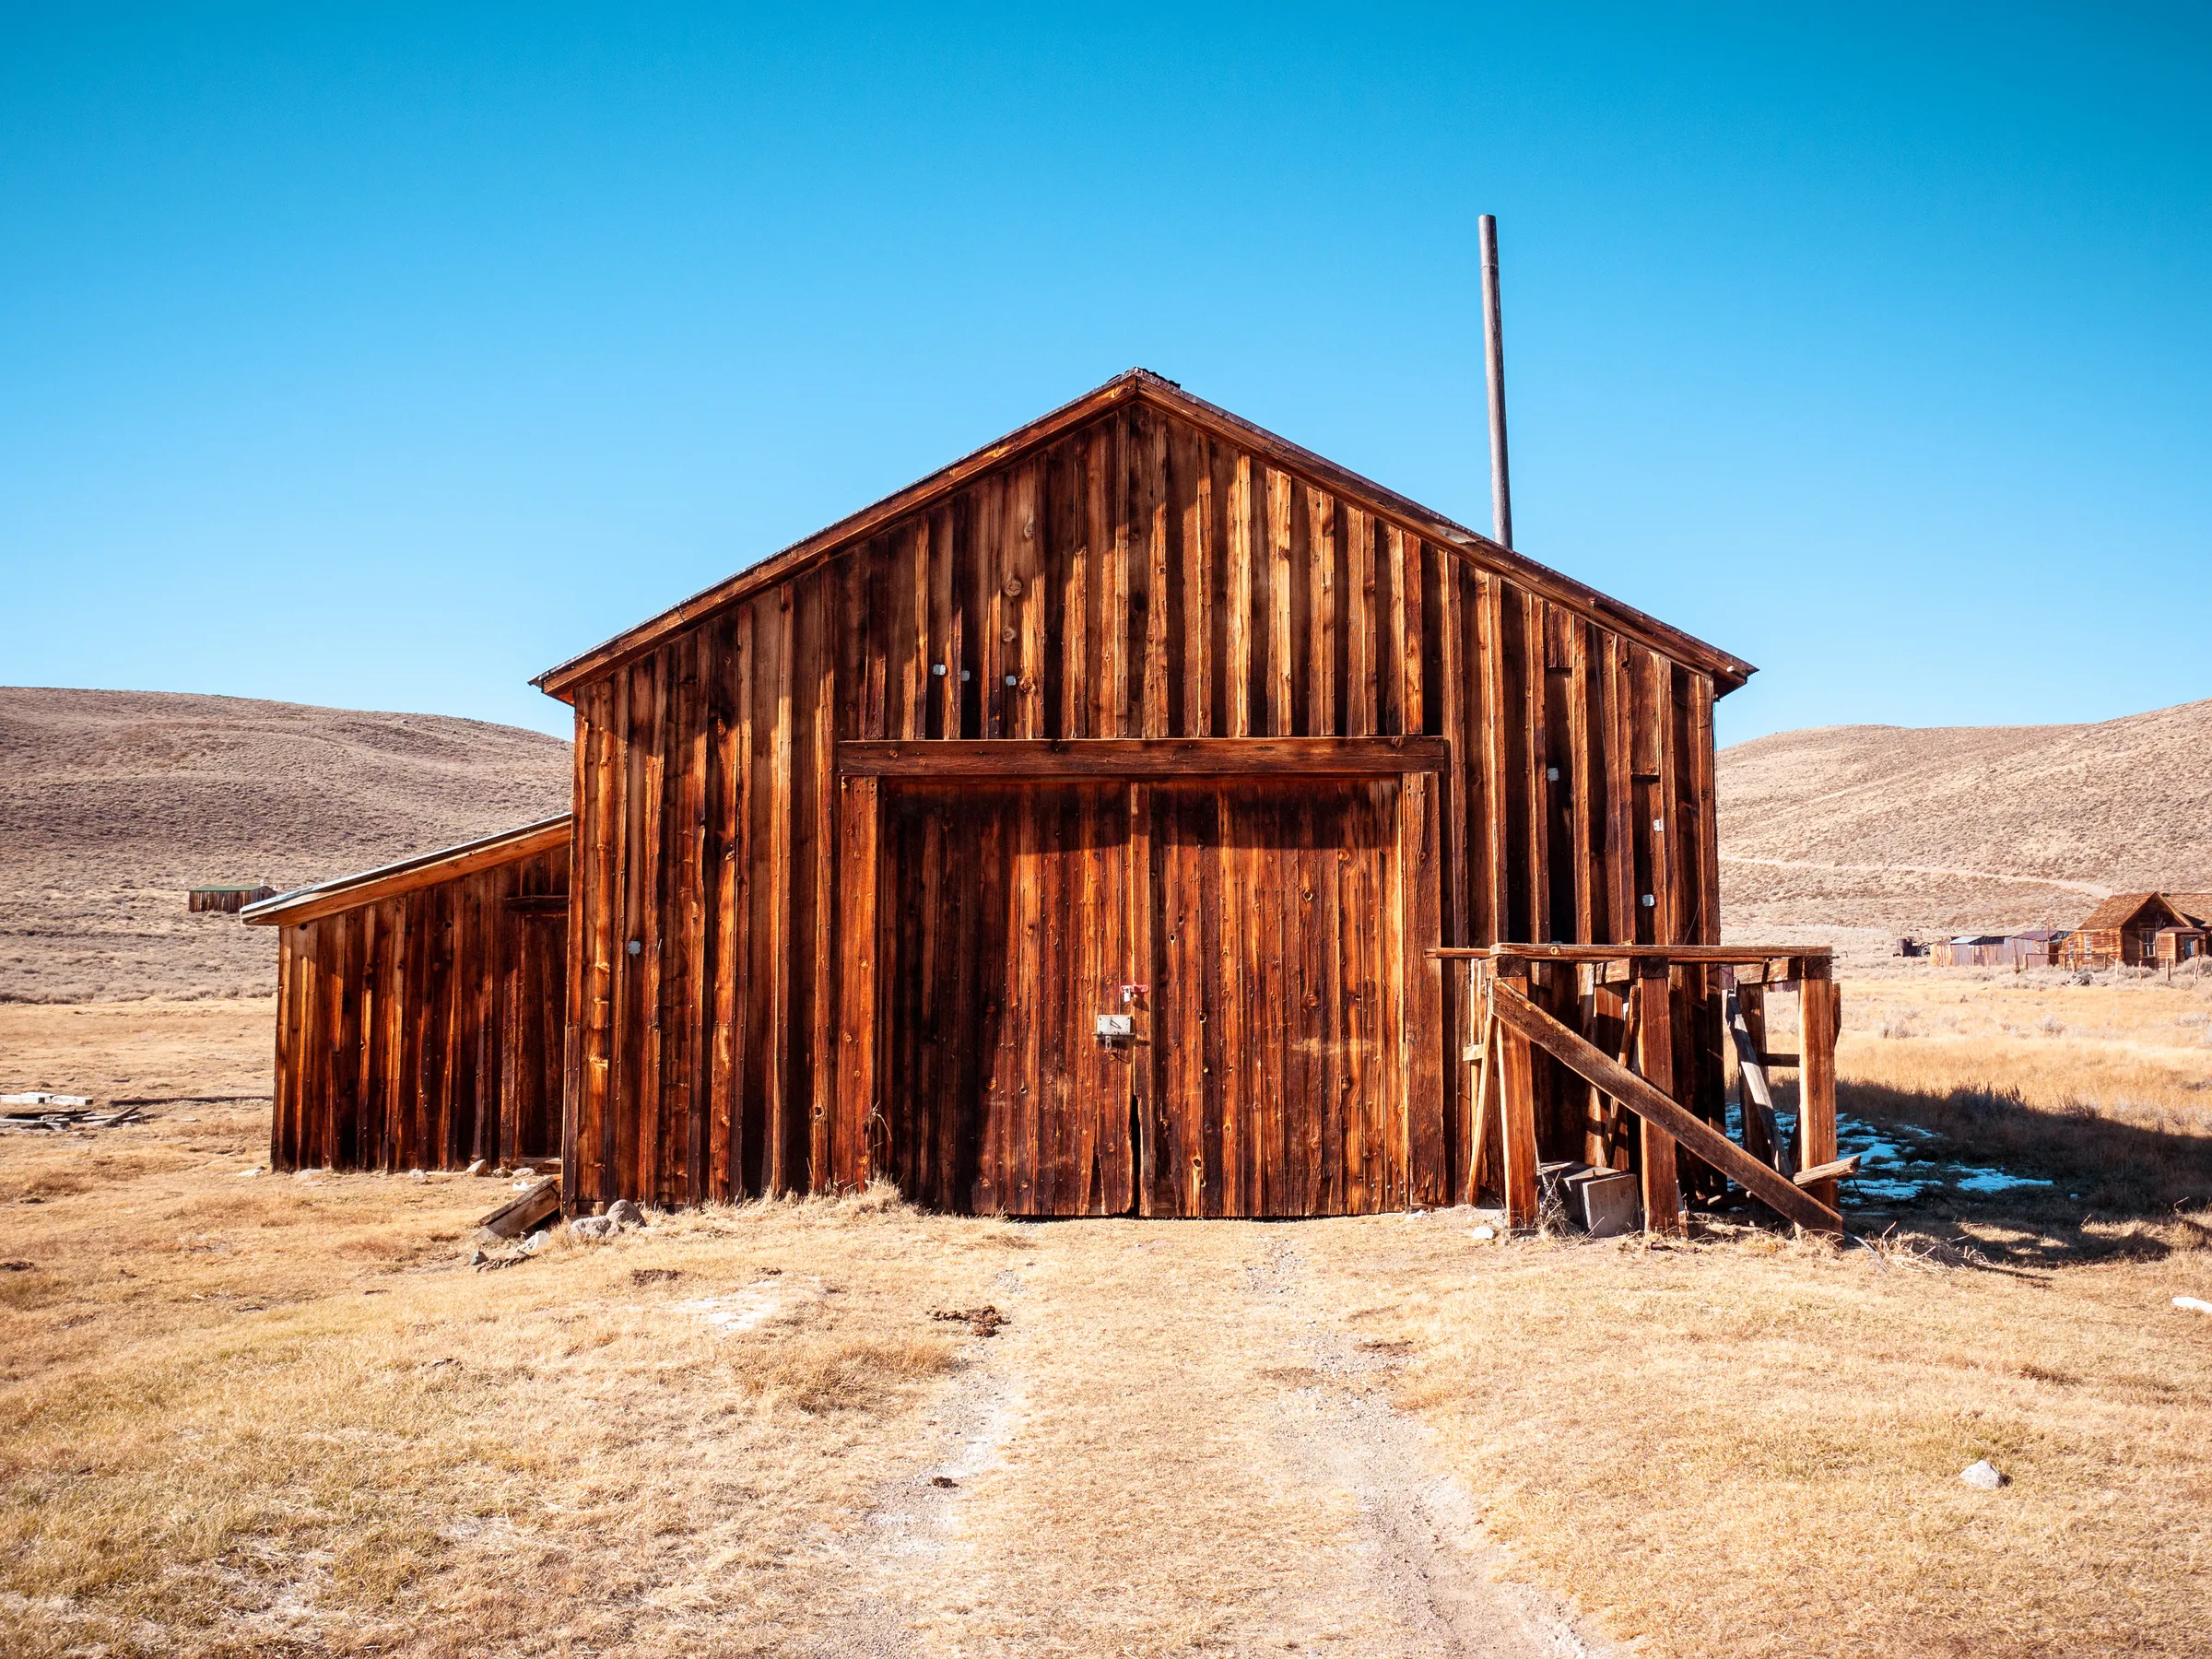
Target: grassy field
(253, 1414)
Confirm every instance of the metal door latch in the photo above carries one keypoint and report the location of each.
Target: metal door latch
(1116, 1025)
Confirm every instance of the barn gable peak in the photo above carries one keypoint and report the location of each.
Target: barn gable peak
(1139, 386)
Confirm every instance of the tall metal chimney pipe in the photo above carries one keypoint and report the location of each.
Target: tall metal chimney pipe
(1493, 360)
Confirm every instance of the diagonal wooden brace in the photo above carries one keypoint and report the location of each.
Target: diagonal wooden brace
(1685, 1127)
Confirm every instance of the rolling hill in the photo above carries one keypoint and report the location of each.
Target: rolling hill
(114, 803)
(1889, 829)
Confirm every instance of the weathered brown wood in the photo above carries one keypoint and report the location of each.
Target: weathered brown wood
(1825, 1175)
(1495, 830)
(1281, 663)
(1709, 954)
(525, 1210)
(1537, 749)
(1238, 687)
(1360, 628)
(1517, 1123)
(1645, 1098)
(1158, 487)
(1324, 655)
(389, 1057)
(1419, 854)
(1142, 588)
(1137, 756)
(1655, 1061)
(1820, 1018)
(1142, 996)
(1581, 782)
(858, 1103)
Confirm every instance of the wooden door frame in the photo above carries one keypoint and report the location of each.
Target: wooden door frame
(1419, 764)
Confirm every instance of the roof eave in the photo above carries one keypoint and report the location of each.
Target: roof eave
(365, 886)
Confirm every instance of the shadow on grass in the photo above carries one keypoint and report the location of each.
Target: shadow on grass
(2123, 1180)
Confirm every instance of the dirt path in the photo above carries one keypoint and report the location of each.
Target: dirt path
(1175, 1447)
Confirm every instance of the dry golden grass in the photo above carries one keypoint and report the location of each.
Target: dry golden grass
(1751, 1446)
(2103, 1089)
(258, 1415)
(255, 1413)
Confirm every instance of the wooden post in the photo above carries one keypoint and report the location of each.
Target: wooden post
(1655, 1061)
(1517, 1117)
(1820, 1015)
(1493, 363)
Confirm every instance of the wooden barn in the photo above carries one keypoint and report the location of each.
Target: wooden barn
(420, 1007)
(1077, 831)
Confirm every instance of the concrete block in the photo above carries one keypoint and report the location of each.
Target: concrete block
(1607, 1203)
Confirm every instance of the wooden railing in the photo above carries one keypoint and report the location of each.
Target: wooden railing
(1793, 1175)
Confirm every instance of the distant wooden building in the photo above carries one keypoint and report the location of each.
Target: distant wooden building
(231, 898)
(2037, 947)
(1069, 834)
(2126, 930)
(421, 1007)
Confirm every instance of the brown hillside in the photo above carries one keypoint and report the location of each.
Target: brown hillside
(1893, 830)
(114, 803)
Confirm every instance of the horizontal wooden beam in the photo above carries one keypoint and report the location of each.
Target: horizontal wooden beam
(1144, 757)
(1723, 954)
(1669, 1116)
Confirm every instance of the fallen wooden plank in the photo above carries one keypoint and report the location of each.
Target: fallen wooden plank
(1687, 1129)
(1842, 1169)
(525, 1210)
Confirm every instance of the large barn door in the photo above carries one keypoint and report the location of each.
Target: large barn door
(1006, 934)
(1285, 952)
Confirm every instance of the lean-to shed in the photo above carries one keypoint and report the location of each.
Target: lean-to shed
(420, 1007)
(1065, 834)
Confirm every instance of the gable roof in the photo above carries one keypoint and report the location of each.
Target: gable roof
(347, 892)
(2123, 910)
(1728, 670)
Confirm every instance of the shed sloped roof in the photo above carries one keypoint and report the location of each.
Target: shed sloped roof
(1141, 384)
(2127, 909)
(346, 892)
(2195, 907)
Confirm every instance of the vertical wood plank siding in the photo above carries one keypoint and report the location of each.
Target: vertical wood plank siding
(425, 1029)
(1137, 577)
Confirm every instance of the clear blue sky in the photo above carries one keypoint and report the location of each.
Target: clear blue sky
(384, 358)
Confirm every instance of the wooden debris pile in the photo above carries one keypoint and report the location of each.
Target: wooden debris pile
(38, 1112)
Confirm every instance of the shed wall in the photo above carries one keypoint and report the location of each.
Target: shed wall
(424, 1029)
(1139, 577)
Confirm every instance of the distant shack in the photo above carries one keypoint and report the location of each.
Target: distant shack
(2137, 930)
(231, 898)
(2037, 947)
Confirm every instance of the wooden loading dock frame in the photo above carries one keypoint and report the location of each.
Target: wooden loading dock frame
(1627, 994)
